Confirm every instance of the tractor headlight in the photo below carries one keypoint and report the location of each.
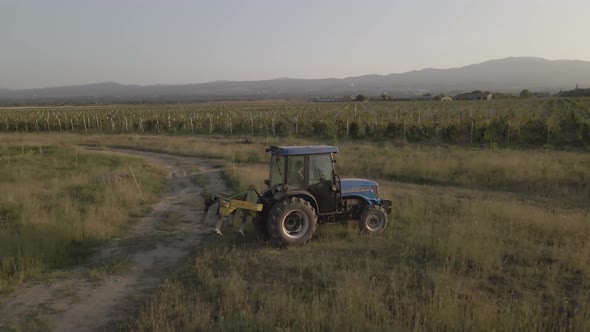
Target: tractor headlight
(375, 190)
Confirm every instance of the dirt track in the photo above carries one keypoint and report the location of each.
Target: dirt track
(152, 247)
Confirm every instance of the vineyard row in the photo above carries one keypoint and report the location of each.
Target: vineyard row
(552, 121)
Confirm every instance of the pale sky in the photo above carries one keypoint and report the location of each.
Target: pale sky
(59, 42)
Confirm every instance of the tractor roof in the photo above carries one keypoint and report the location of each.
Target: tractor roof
(302, 150)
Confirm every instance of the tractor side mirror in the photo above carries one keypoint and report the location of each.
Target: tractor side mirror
(267, 182)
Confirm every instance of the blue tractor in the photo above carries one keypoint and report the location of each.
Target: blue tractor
(304, 190)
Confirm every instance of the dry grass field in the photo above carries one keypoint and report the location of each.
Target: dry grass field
(59, 202)
(464, 251)
(480, 238)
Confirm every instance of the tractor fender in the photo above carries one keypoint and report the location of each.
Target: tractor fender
(369, 201)
(299, 193)
(384, 204)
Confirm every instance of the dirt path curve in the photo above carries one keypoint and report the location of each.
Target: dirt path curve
(151, 248)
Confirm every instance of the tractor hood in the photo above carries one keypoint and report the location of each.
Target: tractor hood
(360, 187)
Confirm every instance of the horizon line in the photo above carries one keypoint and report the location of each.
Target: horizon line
(286, 77)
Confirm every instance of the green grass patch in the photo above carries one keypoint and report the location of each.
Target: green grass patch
(58, 203)
(200, 180)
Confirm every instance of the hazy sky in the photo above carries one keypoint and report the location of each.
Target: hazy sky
(57, 42)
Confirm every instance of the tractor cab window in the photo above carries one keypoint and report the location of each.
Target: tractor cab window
(296, 172)
(320, 168)
(277, 170)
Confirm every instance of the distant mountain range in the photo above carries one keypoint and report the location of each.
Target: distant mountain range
(503, 75)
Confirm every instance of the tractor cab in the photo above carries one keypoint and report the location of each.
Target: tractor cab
(306, 169)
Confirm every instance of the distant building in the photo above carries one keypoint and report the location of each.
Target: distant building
(446, 98)
(476, 95)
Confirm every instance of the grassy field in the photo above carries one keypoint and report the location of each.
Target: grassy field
(533, 173)
(58, 202)
(453, 259)
(480, 239)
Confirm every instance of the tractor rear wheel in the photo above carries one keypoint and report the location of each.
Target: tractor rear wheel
(292, 221)
(373, 220)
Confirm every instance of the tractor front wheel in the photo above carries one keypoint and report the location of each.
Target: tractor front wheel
(293, 221)
(373, 220)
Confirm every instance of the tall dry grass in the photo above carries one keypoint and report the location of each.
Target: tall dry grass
(56, 203)
(538, 172)
(452, 259)
(469, 246)
(544, 173)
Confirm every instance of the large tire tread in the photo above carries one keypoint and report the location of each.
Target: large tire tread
(365, 214)
(279, 211)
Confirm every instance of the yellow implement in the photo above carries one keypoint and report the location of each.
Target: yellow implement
(228, 205)
(245, 201)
